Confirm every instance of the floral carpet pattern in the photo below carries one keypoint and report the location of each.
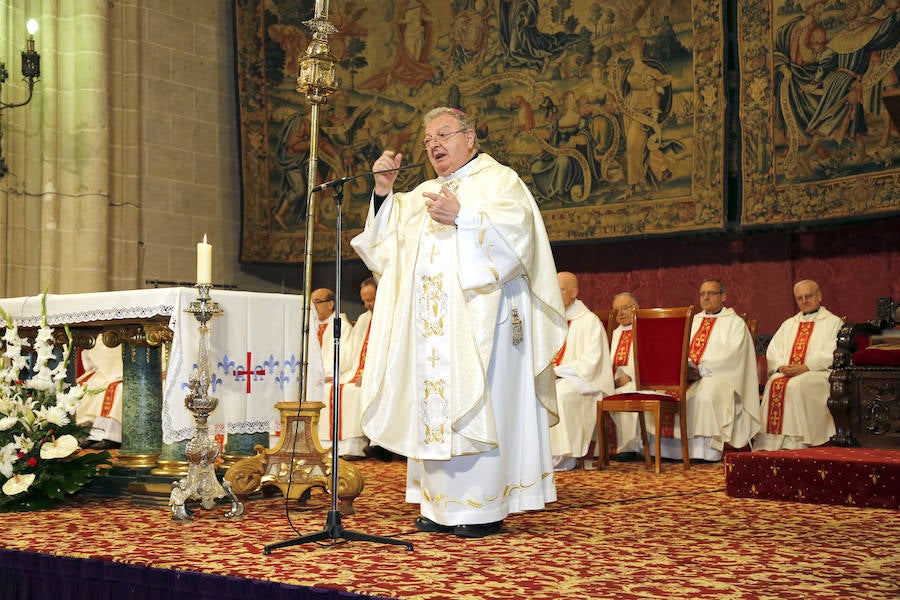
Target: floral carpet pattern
(618, 533)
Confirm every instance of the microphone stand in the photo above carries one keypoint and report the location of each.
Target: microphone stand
(334, 529)
(338, 183)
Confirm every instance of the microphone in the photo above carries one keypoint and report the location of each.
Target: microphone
(343, 180)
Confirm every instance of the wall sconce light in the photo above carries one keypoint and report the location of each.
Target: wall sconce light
(31, 70)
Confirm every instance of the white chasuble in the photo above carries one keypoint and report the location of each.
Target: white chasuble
(584, 375)
(723, 405)
(806, 420)
(464, 332)
(432, 308)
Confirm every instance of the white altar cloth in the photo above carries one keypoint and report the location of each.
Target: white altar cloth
(254, 349)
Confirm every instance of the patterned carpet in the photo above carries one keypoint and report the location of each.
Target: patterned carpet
(619, 533)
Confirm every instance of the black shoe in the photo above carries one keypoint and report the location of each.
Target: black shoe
(427, 525)
(379, 453)
(479, 530)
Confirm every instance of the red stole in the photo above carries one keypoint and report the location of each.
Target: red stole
(357, 377)
(779, 384)
(623, 349)
(109, 397)
(701, 339)
(562, 351)
(321, 332)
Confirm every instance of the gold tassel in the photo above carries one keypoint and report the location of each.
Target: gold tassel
(516, 327)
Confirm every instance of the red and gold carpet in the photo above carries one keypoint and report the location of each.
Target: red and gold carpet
(618, 533)
(864, 477)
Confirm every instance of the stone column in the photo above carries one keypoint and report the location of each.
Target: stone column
(142, 392)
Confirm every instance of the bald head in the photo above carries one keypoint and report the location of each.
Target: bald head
(568, 287)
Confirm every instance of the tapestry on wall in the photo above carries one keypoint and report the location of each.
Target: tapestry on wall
(612, 112)
(818, 142)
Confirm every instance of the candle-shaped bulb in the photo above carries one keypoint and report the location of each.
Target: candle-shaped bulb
(204, 262)
(31, 26)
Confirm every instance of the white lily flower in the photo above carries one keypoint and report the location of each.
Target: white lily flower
(8, 456)
(54, 414)
(23, 443)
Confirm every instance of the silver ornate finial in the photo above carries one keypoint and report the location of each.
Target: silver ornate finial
(201, 451)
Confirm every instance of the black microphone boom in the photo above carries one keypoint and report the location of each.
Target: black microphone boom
(343, 180)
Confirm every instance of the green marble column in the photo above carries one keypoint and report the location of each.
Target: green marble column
(172, 461)
(141, 406)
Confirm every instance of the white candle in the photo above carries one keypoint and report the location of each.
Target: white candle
(204, 261)
(319, 4)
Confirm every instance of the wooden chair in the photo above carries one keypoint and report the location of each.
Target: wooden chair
(661, 340)
(608, 318)
(751, 325)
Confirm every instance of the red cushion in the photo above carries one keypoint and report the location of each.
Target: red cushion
(877, 357)
(641, 396)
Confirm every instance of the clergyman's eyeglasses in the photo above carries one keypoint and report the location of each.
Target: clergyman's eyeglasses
(440, 138)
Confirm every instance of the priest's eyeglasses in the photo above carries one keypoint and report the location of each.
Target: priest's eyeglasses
(440, 138)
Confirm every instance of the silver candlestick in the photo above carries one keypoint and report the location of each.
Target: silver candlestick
(201, 482)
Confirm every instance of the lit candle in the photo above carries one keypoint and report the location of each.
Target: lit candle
(204, 261)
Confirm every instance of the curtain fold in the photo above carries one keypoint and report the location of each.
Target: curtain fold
(54, 215)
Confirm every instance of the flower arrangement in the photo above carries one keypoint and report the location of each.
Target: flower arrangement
(40, 459)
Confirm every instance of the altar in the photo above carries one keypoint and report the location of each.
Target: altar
(254, 358)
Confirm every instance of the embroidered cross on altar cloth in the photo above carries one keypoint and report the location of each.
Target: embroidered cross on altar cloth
(261, 327)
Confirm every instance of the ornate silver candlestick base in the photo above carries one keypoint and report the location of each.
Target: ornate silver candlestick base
(201, 451)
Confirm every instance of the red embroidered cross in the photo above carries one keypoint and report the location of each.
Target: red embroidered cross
(249, 372)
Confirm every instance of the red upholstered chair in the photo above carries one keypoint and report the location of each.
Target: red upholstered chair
(661, 340)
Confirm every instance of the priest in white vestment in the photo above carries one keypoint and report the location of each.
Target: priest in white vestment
(626, 429)
(468, 321)
(101, 405)
(351, 440)
(795, 402)
(583, 376)
(723, 404)
(323, 301)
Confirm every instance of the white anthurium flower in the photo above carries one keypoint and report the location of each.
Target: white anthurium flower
(6, 423)
(61, 447)
(8, 456)
(54, 414)
(18, 484)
